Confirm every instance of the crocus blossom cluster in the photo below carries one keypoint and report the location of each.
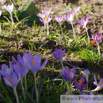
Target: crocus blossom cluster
(20, 68)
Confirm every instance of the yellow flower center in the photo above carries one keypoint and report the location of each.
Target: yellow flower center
(74, 8)
(82, 18)
(4, 69)
(80, 82)
(96, 35)
(32, 62)
(99, 102)
(11, 80)
(18, 67)
(68, 73)
(46, 19)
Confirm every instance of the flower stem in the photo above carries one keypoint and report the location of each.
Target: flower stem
(36, 90)
(87, 35)
(25, 83)
(62, 65)
(0, 28)
(61, 28)
(12, 20)
(73, 31)
(98, 49)
(69, 87)
(22, 88)
(16, 95)
(47, 29)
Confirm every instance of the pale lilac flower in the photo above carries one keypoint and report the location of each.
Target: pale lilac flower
(75, 9)
(59, 19)
(83, 21)
(3, 1)
(99, 86)
(9, 8)
(46, 20)
(86, 73)
(69, 17)
(46, 12)
(41, 15)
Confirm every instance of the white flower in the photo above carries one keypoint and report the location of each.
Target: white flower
(9, 8)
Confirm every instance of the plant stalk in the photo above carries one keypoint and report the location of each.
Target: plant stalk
(36, 90)
(87, 35)
(16, 95)
(98, 49)
(73, 32)
(22, 88)
(47, 29)
(25, 83)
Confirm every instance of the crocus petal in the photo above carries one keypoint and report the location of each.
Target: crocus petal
(14, 60)
(76, 83)
(45, 62)
(20, 59)
(37, 58)
(97, 89)
(74, 70)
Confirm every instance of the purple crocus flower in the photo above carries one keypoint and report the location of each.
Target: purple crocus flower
(46, 19)
(75, 9)
(20, 66)
(3, 1)
(19, 69)
(11, 80)
(9, 8)
(69, 17)
(99, 86)
(81, 84)
(59, 19)
(5, 70)
(97, 37)
(58, 54)
(33, 63)
(83, 21)
(68, 74)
